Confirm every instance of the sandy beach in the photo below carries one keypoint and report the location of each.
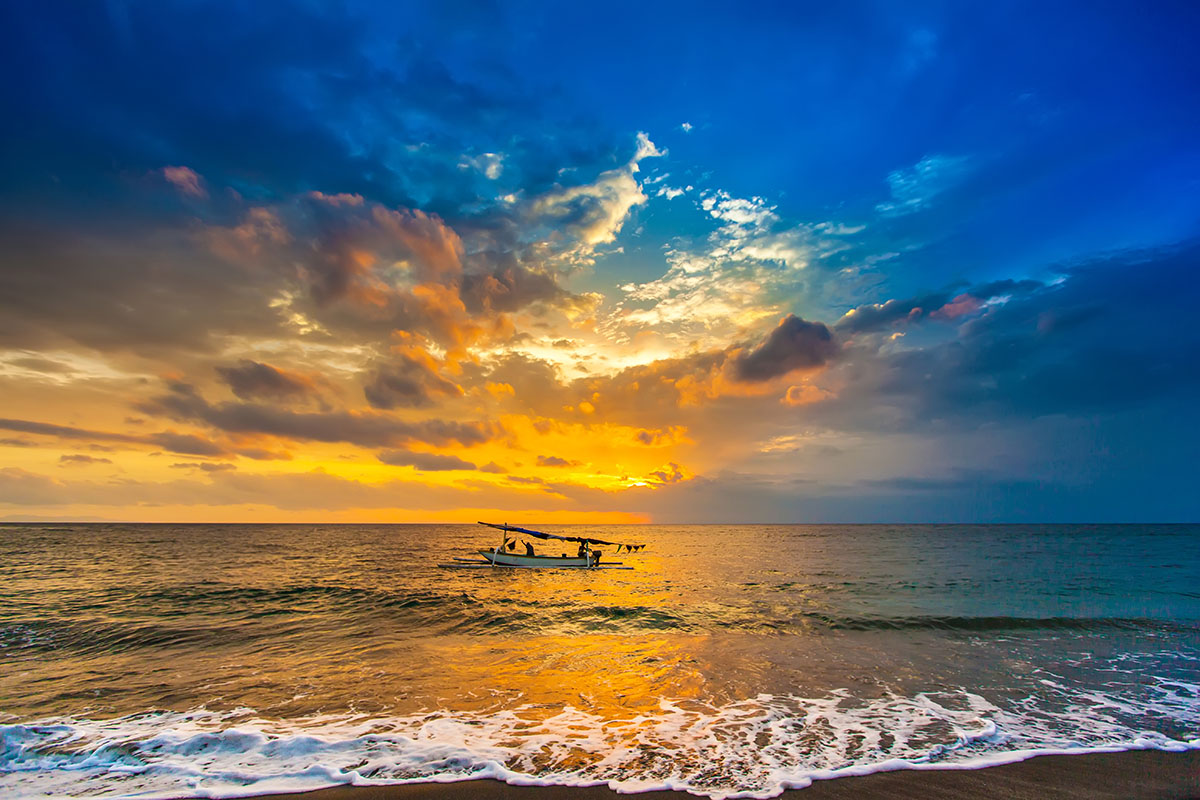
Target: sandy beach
(1136, 775)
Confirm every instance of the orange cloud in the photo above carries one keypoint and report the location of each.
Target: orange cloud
(805, 394)
(260, 230)
(436, 249)
(186, 180)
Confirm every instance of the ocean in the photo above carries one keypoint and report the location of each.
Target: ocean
(733, 660)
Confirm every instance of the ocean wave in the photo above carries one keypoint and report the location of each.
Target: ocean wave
(999, 623)
(755, 747)
(275, 614)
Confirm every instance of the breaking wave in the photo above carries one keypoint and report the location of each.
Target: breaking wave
(756, 747)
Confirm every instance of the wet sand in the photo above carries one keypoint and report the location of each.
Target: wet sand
(1138, 775)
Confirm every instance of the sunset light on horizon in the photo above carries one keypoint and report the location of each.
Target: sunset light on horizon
(351, 263)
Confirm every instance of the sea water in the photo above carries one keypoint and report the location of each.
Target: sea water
(214, 660)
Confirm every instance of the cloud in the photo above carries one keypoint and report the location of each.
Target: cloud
(435, 250)
(876, 316)
(648, 396)
(205, 466)
(914, 188)
(339, 199)
(62, 431)
(593, 213)
(1082, 344)
(794, 344)
(412, 379)
(182, 443)
(407, 386)
(671, 473)
(360, 269)
(354, 242)
(186, 181)
(262, 454)
(945, 305)
(21, 487)
(490, 164)
(509, 288)
(425, 462)
(306, 491)
(253, 240)
(366, 429)
(805, 394)
(661, 436)
(250, 380)
(343, 267)
(186, 444)
(746, 271)
(167, 298)
(81, 460)
(555, 461)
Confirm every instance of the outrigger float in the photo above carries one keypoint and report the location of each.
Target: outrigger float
(504, 555)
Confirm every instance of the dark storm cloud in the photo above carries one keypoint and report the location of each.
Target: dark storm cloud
(407, 383)
(391, 388)
(950, 304)
(425, 462)
(365, 429)
(250, 380)
(1104, 339)
(794, 344)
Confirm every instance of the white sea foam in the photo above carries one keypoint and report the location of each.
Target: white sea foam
(755, 747)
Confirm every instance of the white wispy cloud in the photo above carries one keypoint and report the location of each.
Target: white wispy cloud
(490, 164)
(595, 212)
(914, 188)
(743, 274)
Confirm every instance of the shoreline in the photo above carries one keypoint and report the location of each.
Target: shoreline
(1125, 775)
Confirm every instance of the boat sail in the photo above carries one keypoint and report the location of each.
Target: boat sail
(506, 554)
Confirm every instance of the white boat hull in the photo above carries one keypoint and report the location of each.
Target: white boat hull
(503, 559)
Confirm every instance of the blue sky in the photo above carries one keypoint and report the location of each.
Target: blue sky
(860, 261)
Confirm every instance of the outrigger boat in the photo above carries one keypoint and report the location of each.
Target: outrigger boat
(505, 555)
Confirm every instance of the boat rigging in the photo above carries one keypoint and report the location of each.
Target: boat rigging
(505, 554)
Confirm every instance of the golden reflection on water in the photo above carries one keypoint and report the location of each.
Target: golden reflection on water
(294, 621)
(603, 674)
(309, 621)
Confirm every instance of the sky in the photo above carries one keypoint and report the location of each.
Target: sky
(638, 262)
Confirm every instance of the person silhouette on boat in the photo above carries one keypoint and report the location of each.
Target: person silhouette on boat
(528, 549)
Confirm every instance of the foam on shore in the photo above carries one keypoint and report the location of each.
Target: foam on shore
(754, 748)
